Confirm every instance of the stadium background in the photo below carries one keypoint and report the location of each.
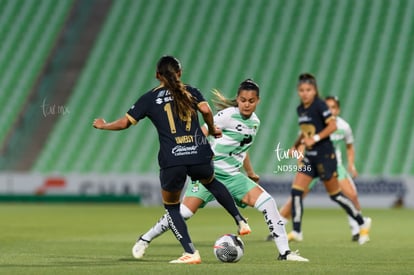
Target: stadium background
(63, 63)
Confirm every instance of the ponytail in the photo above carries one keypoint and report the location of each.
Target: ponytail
(168, 71)
(221, 102)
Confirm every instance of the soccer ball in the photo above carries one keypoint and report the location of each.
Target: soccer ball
(229, 248)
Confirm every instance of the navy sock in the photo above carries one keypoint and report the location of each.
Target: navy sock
(224, 197)
(179, 227)
(348, 206)
(297, 209)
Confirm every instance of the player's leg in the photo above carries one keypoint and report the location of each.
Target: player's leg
(335, 193)
(286, 209)
(192, 201)
(205, 174)
(349, 189)
(299, 186)
(248, 193)
(328, 172)
(258, 198)
(196, 196)
(172, 182)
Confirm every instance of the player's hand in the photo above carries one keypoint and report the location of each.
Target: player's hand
(308, 141)
(98, 123)
(254, 177)
(216, 132)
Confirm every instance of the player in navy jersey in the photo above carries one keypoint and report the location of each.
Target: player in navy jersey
(317, 124)
(184, 151)
(343, 135)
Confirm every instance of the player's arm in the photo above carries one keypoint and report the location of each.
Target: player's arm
(205, 130)
(248, 168)
(350, 153)
(329, 129)
(207, 114)
(119, 124)
(298, 142)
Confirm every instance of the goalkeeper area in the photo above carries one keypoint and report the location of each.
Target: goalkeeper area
(98, 238)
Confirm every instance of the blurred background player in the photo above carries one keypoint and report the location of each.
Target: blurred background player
(343, 134)
(317, 123)
(239, 123)
(172, 107)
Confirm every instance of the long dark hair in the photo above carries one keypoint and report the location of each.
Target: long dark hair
(309, 79)
(221, 102)
(168, 72)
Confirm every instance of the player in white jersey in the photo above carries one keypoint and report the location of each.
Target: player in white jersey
(343, 134)
(239, 125)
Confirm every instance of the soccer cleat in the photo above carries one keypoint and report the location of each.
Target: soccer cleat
(244, 228)
(139, 248)
(292, 256)
(295, 236)
(188, 258)
(364, 231)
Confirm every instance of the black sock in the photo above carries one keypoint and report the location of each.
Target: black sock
(224, 197)
(348, 206)
(297, 209)
(179, 227)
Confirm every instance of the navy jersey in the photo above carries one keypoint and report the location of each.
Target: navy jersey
(181, 142)
(312, 120)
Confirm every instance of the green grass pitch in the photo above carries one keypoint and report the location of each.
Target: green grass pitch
(97, 239)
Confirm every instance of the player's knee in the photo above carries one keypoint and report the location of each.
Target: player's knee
(185, 212)
(261, 199)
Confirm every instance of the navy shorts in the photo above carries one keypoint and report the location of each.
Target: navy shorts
(173, 178)
(322, 165)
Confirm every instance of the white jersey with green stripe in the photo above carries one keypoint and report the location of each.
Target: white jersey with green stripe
(343, 133)
(238, 135)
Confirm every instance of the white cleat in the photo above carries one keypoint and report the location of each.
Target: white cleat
(364, 231)
(292, 256)
(138, 251)
(295, 236)
(244, 228)
(188, 258)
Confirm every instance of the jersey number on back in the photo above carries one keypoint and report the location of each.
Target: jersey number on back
(168, 110)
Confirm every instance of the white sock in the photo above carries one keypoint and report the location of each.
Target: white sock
(185, 212)
(267, 205)
(158, 229)
(162, 225)
(353, 225)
